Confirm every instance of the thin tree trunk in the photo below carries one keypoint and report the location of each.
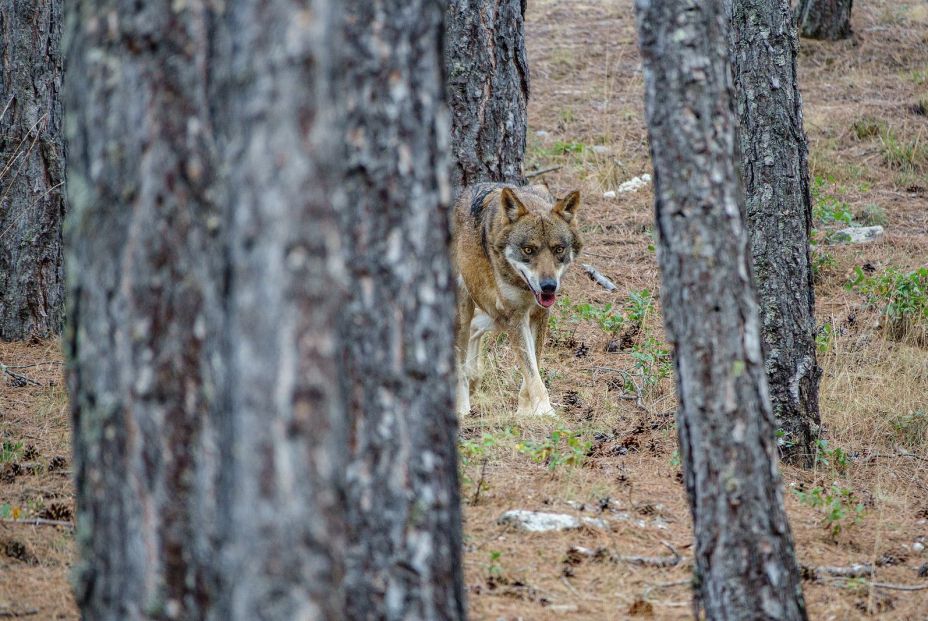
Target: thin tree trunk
(261, 432)
(825, 19)
(775, 172)
(745, 563)
(31, 169)
(488, 89)
(404, 515)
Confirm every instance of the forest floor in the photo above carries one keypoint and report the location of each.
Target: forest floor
(611, 453)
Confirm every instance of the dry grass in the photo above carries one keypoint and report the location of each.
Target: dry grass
(587, 91)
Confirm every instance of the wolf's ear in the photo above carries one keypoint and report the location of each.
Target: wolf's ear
(567, 206)
(512, 206)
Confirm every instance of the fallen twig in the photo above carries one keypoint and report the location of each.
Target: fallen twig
(19, 377)
(38, 522)
(598, 278)
(483, 471)
(538, 173)
(899, 587)
(639, 561)
(12, 614)
(857, 570)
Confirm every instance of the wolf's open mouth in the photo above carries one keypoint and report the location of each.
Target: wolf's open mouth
(546, 299)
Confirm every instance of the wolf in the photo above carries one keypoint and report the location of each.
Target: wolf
(511, 247)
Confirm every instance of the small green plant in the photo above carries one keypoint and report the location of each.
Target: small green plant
(675, 458)
(10, 451)
(494, 566)
(837, 505)
(822, 263)
(652, 361)
(562, 147)
(836, 457)
(639, 306)
(561, 448)
(902, 298)
(827, 207)
(825, 338)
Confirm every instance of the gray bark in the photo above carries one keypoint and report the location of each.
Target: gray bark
(744, 557)
(775, 172)
(146, 265)
(31, 170)
(825, 19)
(252, 417)
(404, 516)
(488, 89)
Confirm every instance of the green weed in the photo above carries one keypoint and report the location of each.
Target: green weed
(561, 448)
(837, 505)
(902, 298)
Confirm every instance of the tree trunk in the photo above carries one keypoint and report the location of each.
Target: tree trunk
(488, 88)
(775, 172)
(146, 264)
(825, 19)
(404, 516)
(745, 566)
(216, 367)
(31, 170)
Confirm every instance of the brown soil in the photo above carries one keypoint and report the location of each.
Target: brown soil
(587, 91)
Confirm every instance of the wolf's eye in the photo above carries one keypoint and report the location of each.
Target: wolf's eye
(559, 250)
(528, 249)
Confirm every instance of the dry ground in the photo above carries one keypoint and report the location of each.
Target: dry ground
(865, 104)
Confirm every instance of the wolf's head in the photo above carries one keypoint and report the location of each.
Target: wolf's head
(538, 240)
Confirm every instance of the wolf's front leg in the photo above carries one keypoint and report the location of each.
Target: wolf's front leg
(465, 315)
(533, 396)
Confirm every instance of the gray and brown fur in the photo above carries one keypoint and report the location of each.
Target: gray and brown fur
(512, 245)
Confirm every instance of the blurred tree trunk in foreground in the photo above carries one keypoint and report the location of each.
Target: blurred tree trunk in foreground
(825, 19)
(404, 522)
(745, 565)
(488, 87)
(241, 451)
(775, 172)
(31, 169)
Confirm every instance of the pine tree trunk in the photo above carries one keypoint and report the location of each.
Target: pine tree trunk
(146, 310)
(775, 172)
(31, 169)
(245, 404)
(825, 19)
(488, 89)
(404, 516)
(745, 565)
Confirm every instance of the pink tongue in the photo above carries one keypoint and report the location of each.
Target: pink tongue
(547, 299)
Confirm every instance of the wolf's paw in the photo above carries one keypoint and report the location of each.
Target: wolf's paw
(542, 408)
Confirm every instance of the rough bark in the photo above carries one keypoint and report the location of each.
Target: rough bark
(744, 557)
(284, 441)
(220, 349)
(404, 516)
(488, 89)
(145, 264)
(775, 173)
(31, 169)
(825, 19)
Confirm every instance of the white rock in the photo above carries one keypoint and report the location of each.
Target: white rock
(918, 547)
(600, 149)
(634, 184)
(539, 522)
(609, 194)
(856, 235)
(541, 133)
